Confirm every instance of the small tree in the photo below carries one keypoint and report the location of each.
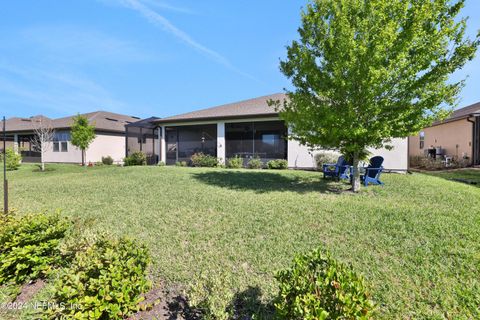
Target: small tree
(82, 134)
(43, 137)
(365, 72)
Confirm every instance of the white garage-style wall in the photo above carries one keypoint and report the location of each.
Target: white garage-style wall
(107, 145)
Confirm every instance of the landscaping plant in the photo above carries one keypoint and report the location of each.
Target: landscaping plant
(365, 72)
(235, 162)
(13, 160)
(325, 157)
(107, 160)
(279, 164)
(319, 287)
(203, 160)
(137, 158)
(83, 134)
(29, 246)
(105, 281)
(255, 163)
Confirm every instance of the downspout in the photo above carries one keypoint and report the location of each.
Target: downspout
(473, 137)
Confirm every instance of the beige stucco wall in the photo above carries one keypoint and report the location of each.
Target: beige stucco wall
(300, 156)
(103, 145)
(454, 137)
(107, 145)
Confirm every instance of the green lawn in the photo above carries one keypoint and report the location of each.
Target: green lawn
(416, 240)
(469, 176)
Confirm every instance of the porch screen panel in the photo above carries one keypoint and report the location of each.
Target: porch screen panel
(270, 140)
(196, 139)
(239, 139)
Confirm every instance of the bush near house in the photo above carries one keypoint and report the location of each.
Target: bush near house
(203, 160)
(29, 246)
(325, 157)
(105, 281)
(135, 159)
(235, 162)
(181, 163)
(255, 163)
(107, 160)
(13, 159)
(320, 287)
(279, 164)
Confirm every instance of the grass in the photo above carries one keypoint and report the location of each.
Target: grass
(469, 176)
(416, 240)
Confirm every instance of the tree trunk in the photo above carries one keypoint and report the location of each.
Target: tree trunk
(356, 174)
(41, 159)
(83, 158)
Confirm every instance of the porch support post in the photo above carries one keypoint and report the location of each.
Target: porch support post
(221, 142)
(15, 143)
(161, 139)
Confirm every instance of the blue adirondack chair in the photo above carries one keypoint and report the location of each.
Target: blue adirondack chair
(373, 171)
(339, 170)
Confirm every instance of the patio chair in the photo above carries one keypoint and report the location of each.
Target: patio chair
(339, 170)
(373, 171)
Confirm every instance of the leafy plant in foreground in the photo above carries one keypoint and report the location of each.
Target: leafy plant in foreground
(320, 287)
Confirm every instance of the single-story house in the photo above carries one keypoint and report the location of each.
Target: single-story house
(109, 140)
(457, 137)
(249, 128)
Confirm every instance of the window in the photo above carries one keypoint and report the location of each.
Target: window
(422, 139)
(60, 141)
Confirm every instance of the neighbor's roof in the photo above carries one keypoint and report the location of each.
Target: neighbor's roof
(461, 113)
(244, 109)
(103, 121)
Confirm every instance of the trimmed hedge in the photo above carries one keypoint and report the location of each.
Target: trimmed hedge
(279, 164)
(203, 160)
(135, 159)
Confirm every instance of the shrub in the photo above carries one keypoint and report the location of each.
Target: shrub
(255, 163)
(161, 164)
(277, 164)
(235, 162)
(212, 294)
(137, 158)
(107, 160)
(105, 281)
(325, 157)
(203, 160)
(181, 163)
(13, 160)
(29, 246)
(319, 287)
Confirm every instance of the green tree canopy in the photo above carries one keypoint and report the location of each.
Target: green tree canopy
(82, 134)
(367, 71)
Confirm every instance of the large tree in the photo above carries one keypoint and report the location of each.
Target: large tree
(367, 71)
(82, 134)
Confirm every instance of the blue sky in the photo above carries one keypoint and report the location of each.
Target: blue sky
(152, 57)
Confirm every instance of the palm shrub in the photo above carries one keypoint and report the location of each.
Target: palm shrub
(137, 158)
(13, 159)
(325, 157)
(105, 281)
(235, 162)
(255, 163)
(279, 164)
(319, 287)
(203, 160)
(29, 246)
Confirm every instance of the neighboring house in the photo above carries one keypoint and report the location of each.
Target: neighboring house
(247, 129)
(109, 140)
(458, 136)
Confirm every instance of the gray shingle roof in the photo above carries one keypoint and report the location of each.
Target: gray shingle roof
(461, 113)
(103, 120)
(248, 108)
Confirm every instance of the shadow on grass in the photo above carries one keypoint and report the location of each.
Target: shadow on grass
(465, 176)
(262, 182)
(248, 303)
